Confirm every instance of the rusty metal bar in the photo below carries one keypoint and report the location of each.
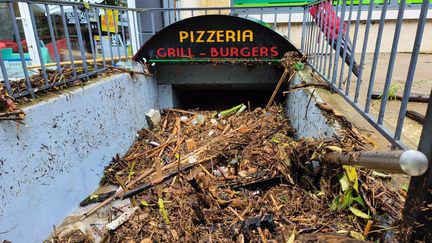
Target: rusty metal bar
(410, 162)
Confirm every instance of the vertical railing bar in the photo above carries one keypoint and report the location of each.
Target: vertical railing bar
(303, 30)
(152, 22)
(289, 23)
(68, 43)
(220, 12)
(20, 49)
(412, 67)
(347, 40)
(376, 56)
(275, 19)
(360, 4)
(316, 39)
(100, 37)
(310, 32)
(109, 35)
(261, 14)
(53, 38)
(80, 41)
(307, 37)
(123, 34)
(141, 39)
(312, 40)
(92, 47)
(5, 75)
(391, 61)
(136, 40)
(192, 13)
(322, 36)
(129, 31)
(331, 63)
(364, 49)
(339, 41)
(329, 15)
(116, 25)
(36, 35)
(178, 14)
(326, 37)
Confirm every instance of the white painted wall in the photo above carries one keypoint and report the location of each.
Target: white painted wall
(54, 161)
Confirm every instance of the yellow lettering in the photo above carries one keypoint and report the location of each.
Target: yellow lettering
(183, 35)
(219, 35)
(210, 37)
(247, 34)
(230, 36)
(201, 34)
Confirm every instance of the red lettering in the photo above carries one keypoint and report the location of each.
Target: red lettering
(234, 52)
(254, 51)
(244, 52)
(171, 52)
(161, 52)
(274, 52)
(224, 51)
(189, 53)
(214, 52)
(264, 52)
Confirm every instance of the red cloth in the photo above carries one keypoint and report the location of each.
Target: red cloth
(329, 21)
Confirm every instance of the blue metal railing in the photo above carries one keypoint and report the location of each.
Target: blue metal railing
(338, 46)
(81, 55)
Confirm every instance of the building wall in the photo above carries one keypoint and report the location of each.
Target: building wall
(50, 164)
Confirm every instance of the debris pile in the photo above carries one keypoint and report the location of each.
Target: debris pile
(239, 175)
(8, 109)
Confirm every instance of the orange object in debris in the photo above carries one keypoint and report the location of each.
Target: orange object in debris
(190, 144)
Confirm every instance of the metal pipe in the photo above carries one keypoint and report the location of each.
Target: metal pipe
(347, 90)
(20, 50)
(68, 43)
(338, 42)
(38, 47)
(412, 68)
(375, 58)
(410, 162)
(80, 40)
(364, 49)
(391, 62)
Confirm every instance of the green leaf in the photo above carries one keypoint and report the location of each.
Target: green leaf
(334, 149)
(359, 200)
(292, 237)
(404, 187)
(347, 200)
(344, 183)
(163, 211)
(356, 235)
(335, 204)
(275, 140)
(359, 213)
(352, 176)
(298, 66)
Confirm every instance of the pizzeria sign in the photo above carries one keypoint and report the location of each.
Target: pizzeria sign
(215, 37)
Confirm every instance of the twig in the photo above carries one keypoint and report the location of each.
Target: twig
(275, 91)
(235, 213)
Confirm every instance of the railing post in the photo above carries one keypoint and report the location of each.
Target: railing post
(303, 29)
(417, 215)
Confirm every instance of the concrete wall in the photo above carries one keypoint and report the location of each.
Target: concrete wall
(304, 115)
(51, 163)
